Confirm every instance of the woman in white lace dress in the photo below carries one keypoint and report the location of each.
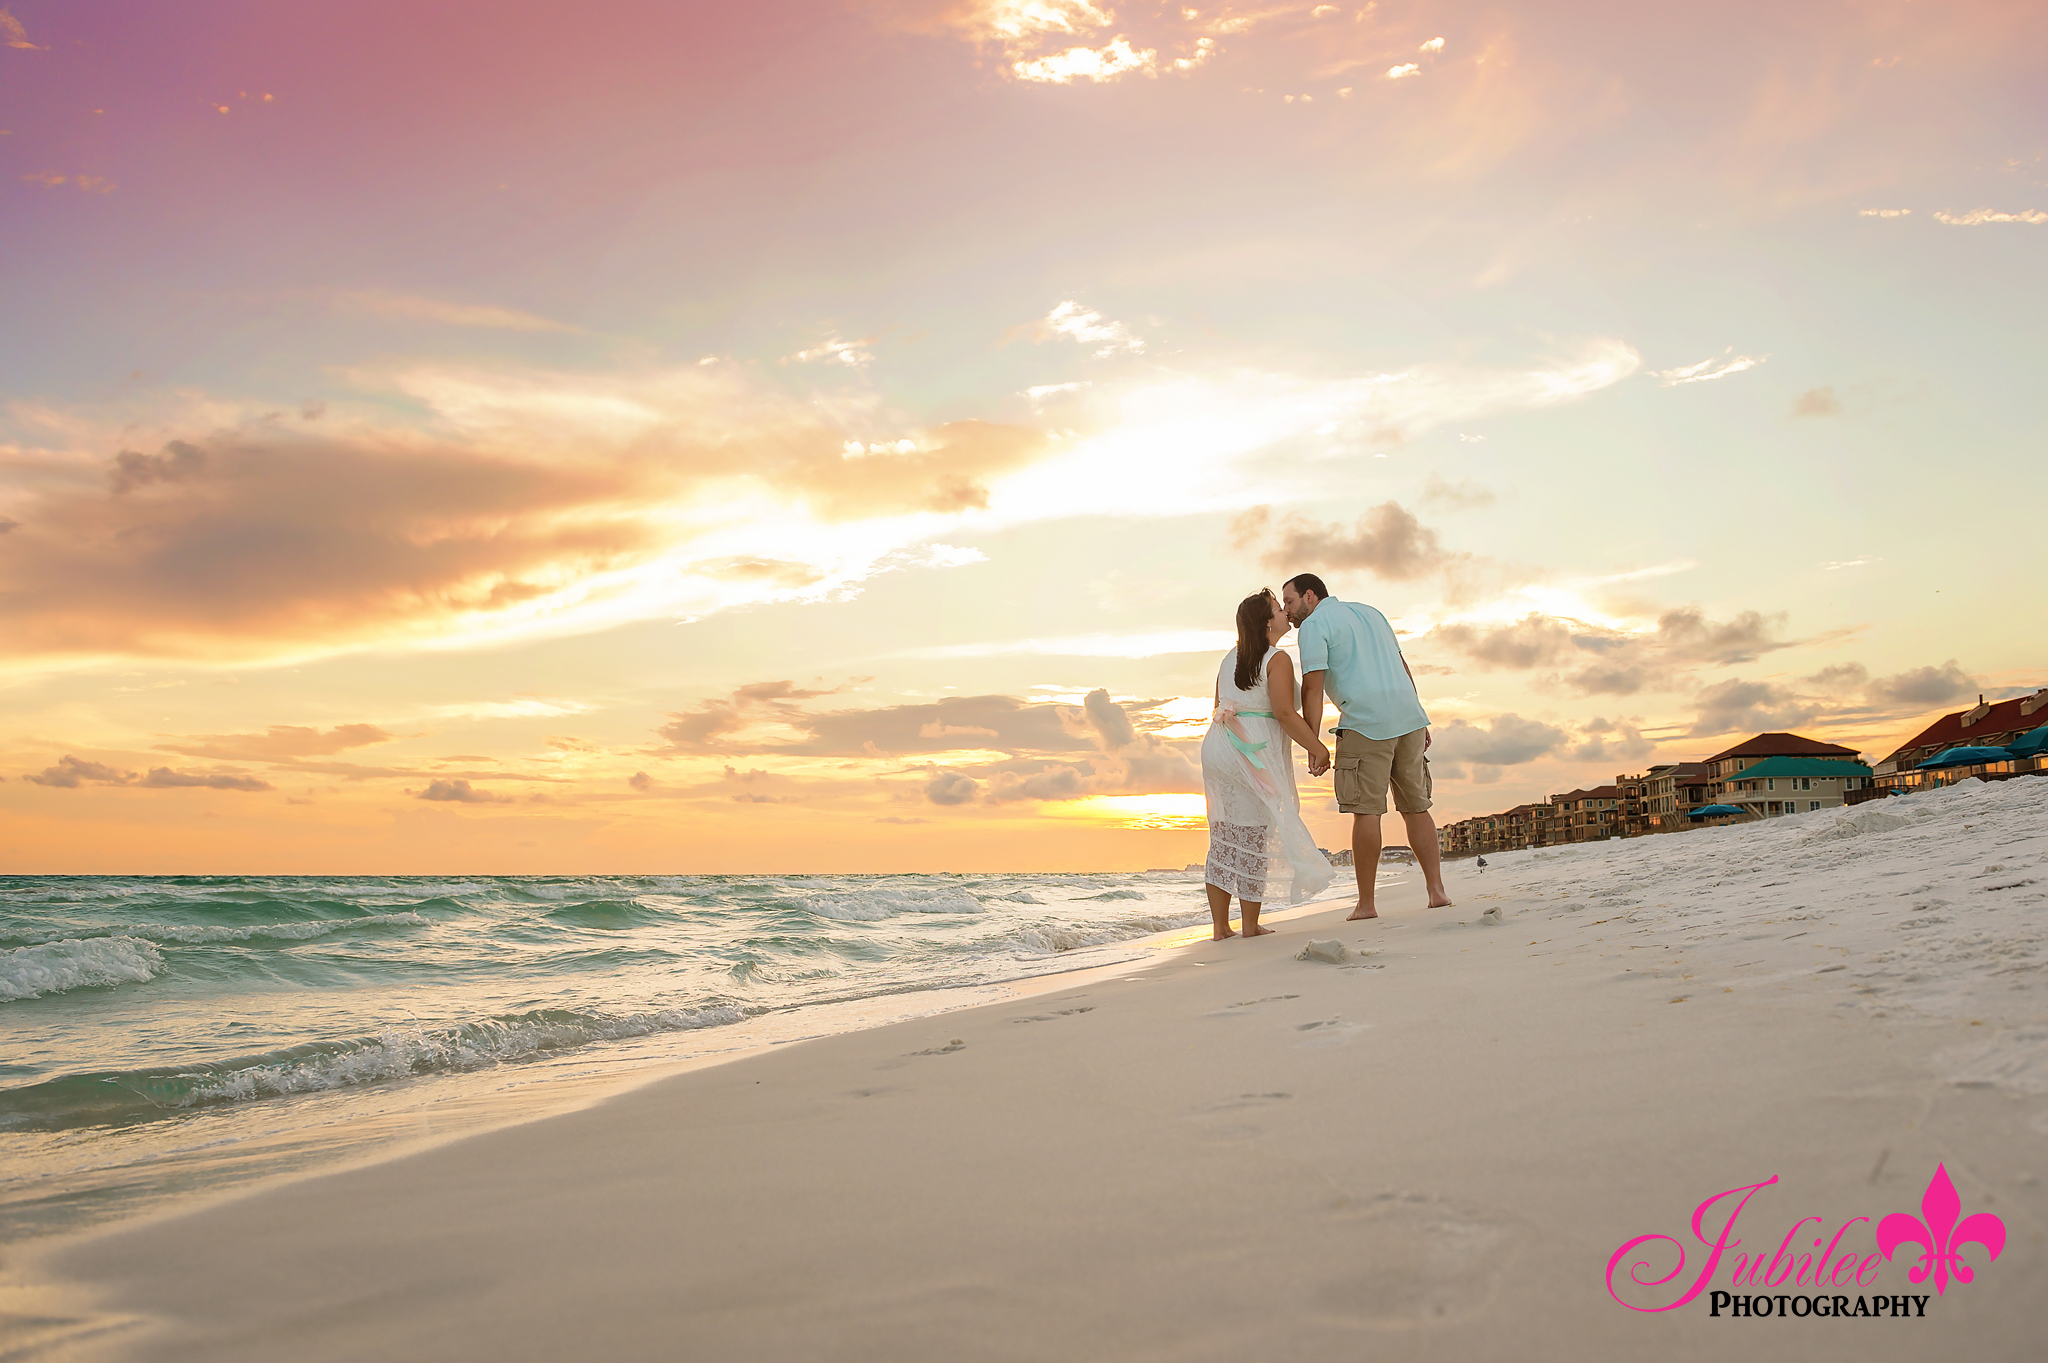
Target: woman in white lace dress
(1259, 849)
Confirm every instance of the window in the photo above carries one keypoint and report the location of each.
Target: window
(1771, 783)
(1812, 805)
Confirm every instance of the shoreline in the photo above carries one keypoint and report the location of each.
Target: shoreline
(528, 1096)
(1430, 1151)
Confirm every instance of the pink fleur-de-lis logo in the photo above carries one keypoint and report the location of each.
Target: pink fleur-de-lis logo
(1940, 1235)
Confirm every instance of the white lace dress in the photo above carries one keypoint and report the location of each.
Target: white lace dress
(1259, 849)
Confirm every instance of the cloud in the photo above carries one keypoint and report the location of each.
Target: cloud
(951, 788)
(519, 504)
(1041, 392)
(1533, 641)
(179, 462)
(780, 572)
(1403, 71)
(1984, 215)
(1924, 688)
(1613, 742)
(1116, 58)
(380, 303)
(1738, 706)
(1387, 541)
(1460, 495)
(1707, 370)
(1014, 20)
(1913, 690)
(71, 772)
(641, 781)
(12, 34)
(164, 778)
(1884, 212)
(460, 792)
(1840, 678)
(849, 353)
(1089, 328)
(1051, 751)
(1112, 725)
(1433, 45)
(1614, 662)
(281, 743)
(1505, 741)
(1063, 782)
(766, 718)
(1817, 402)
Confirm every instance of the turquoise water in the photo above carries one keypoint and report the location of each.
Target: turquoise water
(161, 1035)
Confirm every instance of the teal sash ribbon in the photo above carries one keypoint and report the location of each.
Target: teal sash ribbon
(1250, 750)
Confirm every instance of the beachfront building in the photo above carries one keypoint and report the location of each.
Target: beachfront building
(1731, 761)
(1586, 815)
(1675, 790)
(1661, 798)
(1635, 800)
(1778, 786)
(1992, 725)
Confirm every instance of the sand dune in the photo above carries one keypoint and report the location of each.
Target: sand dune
(1432, 1149)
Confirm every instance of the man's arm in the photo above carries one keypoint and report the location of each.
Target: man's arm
(1312, 712)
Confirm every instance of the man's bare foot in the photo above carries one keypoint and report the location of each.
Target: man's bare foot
(1217, 937)
(1362, 911)
(1256, 932)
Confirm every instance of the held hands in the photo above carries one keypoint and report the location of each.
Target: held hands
(1318, 758)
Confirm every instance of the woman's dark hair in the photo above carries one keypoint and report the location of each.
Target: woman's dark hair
(1254, 613)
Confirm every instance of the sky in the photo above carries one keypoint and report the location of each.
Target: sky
(835, 436)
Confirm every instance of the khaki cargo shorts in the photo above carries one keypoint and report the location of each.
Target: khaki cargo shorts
(1364, 768)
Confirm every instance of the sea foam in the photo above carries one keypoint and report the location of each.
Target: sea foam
(95, 962)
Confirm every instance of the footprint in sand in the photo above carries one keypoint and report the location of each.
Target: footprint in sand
(1418, 1261)
(1048, 1017)
(1333, 1031)
(1237, 1010)
(1222, 1121)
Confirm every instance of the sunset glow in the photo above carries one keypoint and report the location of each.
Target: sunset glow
(835, 435)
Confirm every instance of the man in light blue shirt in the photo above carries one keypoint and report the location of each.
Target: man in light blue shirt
(1349, 653)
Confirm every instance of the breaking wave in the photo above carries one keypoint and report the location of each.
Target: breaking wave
(129, 1095)
(92, 963)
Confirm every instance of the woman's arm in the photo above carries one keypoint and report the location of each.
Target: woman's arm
(1280, 688)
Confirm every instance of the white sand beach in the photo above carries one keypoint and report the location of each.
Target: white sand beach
(1430, 1150)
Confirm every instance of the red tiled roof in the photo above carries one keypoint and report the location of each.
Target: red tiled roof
(2002, 718)
(1784, 745)
(1685, 769)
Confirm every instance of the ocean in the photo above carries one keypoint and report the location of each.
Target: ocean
(177, 1036)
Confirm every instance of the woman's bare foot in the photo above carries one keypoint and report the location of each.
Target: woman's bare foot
(1362, 911)
(1256, 932)
(1217, 937)
(1439, 901)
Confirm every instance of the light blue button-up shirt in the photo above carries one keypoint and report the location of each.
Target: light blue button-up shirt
(1354, 648)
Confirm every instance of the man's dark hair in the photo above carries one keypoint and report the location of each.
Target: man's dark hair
(1304, 583)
